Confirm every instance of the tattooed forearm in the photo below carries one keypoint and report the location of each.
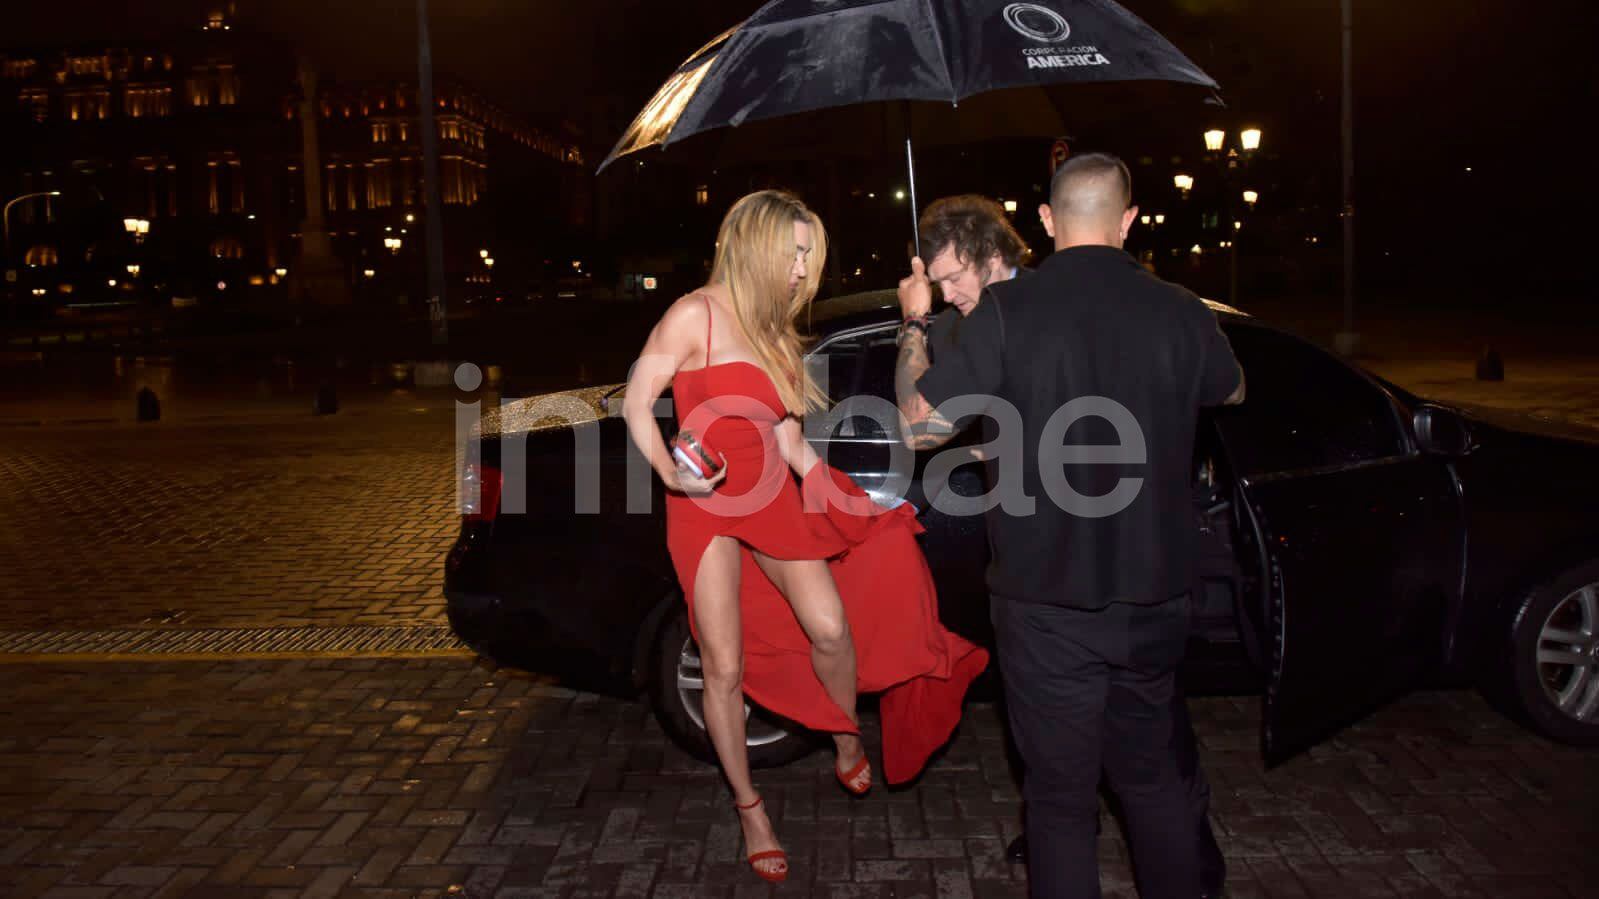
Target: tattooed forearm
(912, 364)
(924, 428)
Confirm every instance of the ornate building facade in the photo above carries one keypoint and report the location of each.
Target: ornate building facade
(198, 138)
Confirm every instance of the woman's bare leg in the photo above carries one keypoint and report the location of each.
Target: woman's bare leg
(721, 640)
(808, 586)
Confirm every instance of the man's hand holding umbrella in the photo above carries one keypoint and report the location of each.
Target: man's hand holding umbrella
(916, 292)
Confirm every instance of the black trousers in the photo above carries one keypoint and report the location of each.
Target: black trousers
(1088, 691)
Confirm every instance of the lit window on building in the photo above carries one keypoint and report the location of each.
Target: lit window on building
(143, 101)
(227, 247)
(199, 89)
(86, 65)
(236, 183)
(227, 85)
(88, 104)
(41, 255)
(36, 101)
(20, 68)
(702, 195)
(214, 21)
(380, 185)
(404, 136)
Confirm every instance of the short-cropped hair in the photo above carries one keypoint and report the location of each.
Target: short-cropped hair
(1089, 168)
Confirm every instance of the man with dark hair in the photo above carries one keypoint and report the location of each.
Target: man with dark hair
(968, 244)
(1108, 367)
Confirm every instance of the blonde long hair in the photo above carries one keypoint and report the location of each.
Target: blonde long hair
(754, 254)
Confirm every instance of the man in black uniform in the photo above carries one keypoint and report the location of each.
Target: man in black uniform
(1107, 367)
(969, 243)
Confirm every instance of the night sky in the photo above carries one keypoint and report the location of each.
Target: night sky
(1506, 89)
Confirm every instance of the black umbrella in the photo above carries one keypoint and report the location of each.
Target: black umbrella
(796, 56)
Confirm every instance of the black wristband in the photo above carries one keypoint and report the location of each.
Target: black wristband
(916, 323)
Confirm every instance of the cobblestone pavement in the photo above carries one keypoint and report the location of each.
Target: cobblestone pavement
(446, 778)
(385, 777)
(310, 521)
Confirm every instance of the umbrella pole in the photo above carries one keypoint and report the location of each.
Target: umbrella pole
(910, 168)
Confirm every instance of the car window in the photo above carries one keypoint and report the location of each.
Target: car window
(1303, 408)
(857, 365)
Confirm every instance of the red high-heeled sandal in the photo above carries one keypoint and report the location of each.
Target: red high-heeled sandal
(777, 876)
(846, 779)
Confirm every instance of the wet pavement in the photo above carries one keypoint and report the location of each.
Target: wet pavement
(445, 778)
(333, 520)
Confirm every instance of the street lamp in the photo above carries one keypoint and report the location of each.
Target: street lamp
(482, 254)
(1184, 183)
(1215, 143)
(1010, 206)
(488, 261)
(137, 227)
(393, 244)
(5, 214)
(1160, 218)
(133, 269)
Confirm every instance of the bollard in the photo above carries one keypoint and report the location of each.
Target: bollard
(1490, 367)
(149, 405)
(327, 400)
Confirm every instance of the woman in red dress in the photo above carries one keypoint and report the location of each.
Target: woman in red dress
(800, 593)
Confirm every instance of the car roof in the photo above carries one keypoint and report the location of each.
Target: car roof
(874, 307)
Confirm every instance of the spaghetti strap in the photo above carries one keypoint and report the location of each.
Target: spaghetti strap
(707, 328)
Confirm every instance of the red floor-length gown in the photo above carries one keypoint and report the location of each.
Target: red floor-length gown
(901, 648)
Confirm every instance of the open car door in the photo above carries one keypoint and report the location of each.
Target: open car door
(1359, 538)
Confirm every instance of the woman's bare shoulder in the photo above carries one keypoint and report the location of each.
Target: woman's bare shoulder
(687, 318)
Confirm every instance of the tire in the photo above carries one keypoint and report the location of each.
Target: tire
(772, 741)
(1551, 673)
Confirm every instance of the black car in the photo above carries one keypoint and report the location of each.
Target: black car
(1357, 540)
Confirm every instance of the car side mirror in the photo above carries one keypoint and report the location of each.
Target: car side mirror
(1440, 432)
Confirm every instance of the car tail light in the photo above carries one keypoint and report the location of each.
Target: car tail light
(480, 492)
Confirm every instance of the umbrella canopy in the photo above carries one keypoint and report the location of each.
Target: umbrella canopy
(796, 56)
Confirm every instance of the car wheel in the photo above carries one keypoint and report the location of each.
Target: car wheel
(1554, 663)
(677, 686)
